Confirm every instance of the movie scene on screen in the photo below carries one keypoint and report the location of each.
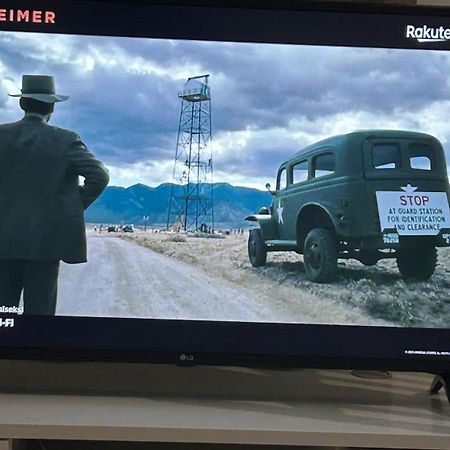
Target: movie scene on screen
(247, 181)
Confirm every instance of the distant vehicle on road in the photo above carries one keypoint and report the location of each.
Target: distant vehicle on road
(112, 228)
(128, 228)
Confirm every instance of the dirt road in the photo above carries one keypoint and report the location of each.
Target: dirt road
(123, 279)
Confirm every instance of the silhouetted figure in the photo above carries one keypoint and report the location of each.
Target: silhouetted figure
(41, 202)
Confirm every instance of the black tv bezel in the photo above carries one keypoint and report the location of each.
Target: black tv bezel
(188, 342)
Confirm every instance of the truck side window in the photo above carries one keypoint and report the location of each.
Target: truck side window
(420, 157)
(300, 172)
(282, 180)
(324, 165)
(386, 156)
(420, 162)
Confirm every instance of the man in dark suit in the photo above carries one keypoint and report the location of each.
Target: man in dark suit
(41, 201)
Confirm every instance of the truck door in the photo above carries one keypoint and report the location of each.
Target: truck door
(289, 204)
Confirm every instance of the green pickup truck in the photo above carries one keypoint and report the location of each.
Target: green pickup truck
(365, 195)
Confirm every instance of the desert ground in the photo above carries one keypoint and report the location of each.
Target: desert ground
(360, 296)
(168, 275)
(196, 279)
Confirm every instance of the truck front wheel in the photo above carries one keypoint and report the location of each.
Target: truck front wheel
(417, 262)
(320, 255)
(257, 251)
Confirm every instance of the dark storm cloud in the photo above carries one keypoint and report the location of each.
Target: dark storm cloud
(257, 160)
(126, 116)
(124, 100)
(325, 83)
(266, 85)
(128, 121)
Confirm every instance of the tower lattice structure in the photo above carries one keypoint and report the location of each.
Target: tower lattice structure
(191, 205)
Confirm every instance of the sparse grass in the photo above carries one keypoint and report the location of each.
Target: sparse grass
(177, 238)
(378, 292)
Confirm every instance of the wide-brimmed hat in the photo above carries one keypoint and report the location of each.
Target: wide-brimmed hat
(40, 87)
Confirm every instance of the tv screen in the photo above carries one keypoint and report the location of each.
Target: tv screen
(225, 184)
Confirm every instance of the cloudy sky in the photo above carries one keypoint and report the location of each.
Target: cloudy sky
(268, 100)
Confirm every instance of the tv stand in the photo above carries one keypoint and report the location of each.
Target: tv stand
(73, 406)
(441, 380)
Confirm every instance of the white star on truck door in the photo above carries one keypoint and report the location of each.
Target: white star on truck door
(280, 212)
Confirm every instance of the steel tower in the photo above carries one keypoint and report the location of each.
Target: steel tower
(191, 205)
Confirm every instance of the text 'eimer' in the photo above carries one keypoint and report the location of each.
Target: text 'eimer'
(27, 15)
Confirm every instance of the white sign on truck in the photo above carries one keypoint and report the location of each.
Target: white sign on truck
(413, 213)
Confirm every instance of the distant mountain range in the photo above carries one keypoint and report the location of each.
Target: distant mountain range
(129, 205)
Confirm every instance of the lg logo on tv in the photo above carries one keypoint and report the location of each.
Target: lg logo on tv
(186, 358)
(427, 34)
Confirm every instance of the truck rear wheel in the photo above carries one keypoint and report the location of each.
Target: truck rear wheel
(417, 262)
(320, 255)
(257, 251)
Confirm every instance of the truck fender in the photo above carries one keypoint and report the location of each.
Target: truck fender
(328, 210)
(314, 216)
(266, 224)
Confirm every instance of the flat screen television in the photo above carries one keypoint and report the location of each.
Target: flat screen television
(341, 261)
